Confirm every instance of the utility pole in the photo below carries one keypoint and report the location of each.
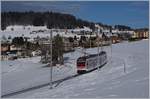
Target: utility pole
(84, 45)
(98, 49)
(90, 40)
(111, 47)
(124, 66)
(51, 64)
(101, 41)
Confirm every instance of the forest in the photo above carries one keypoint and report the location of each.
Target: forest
(51, 20)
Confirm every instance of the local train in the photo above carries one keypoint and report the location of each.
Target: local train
(91, 62)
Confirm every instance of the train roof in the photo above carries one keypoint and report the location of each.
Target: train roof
(92, 55)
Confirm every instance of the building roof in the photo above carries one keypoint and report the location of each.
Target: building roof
(91, 55)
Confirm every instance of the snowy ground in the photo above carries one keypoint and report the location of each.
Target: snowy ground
(33, 32)
(109, 81)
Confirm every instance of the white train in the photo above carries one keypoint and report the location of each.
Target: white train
(91, 62)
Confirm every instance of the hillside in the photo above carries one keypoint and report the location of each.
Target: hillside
(51, 19)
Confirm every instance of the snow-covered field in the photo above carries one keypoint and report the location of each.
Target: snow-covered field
(33, 32)
(109, 81)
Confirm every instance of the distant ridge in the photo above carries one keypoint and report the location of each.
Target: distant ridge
(51, 20)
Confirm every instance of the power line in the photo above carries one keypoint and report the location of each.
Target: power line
(51, 67)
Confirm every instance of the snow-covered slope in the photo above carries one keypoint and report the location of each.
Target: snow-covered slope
(109, 81)
(35, 31)
(26, 31)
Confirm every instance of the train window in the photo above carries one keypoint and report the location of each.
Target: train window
(81, 64)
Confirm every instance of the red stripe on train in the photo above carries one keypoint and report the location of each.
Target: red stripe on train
(81, 65)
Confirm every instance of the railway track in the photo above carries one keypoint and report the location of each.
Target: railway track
(57, 82)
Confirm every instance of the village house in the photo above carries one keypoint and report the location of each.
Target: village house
(122, 34)
(36, 53)
(4, 56)
(112, 35)
(115, 39)
(10, 55)
(82, 31)
(141, 34)
(13, 47)
(10, 52)
(5, 47)
(76, 43)
(44, 40)
(106, 30)
(68, 46)
(98, 29)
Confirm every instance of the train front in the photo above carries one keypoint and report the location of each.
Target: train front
(81, 65)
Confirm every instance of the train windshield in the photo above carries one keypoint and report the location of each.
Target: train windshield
(81, 64)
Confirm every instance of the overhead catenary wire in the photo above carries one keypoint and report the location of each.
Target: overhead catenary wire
(51, 67)
(98, 59)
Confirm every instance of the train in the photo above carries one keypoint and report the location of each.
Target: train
(91, 62)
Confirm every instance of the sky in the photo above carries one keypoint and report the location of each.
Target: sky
(131, 13)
